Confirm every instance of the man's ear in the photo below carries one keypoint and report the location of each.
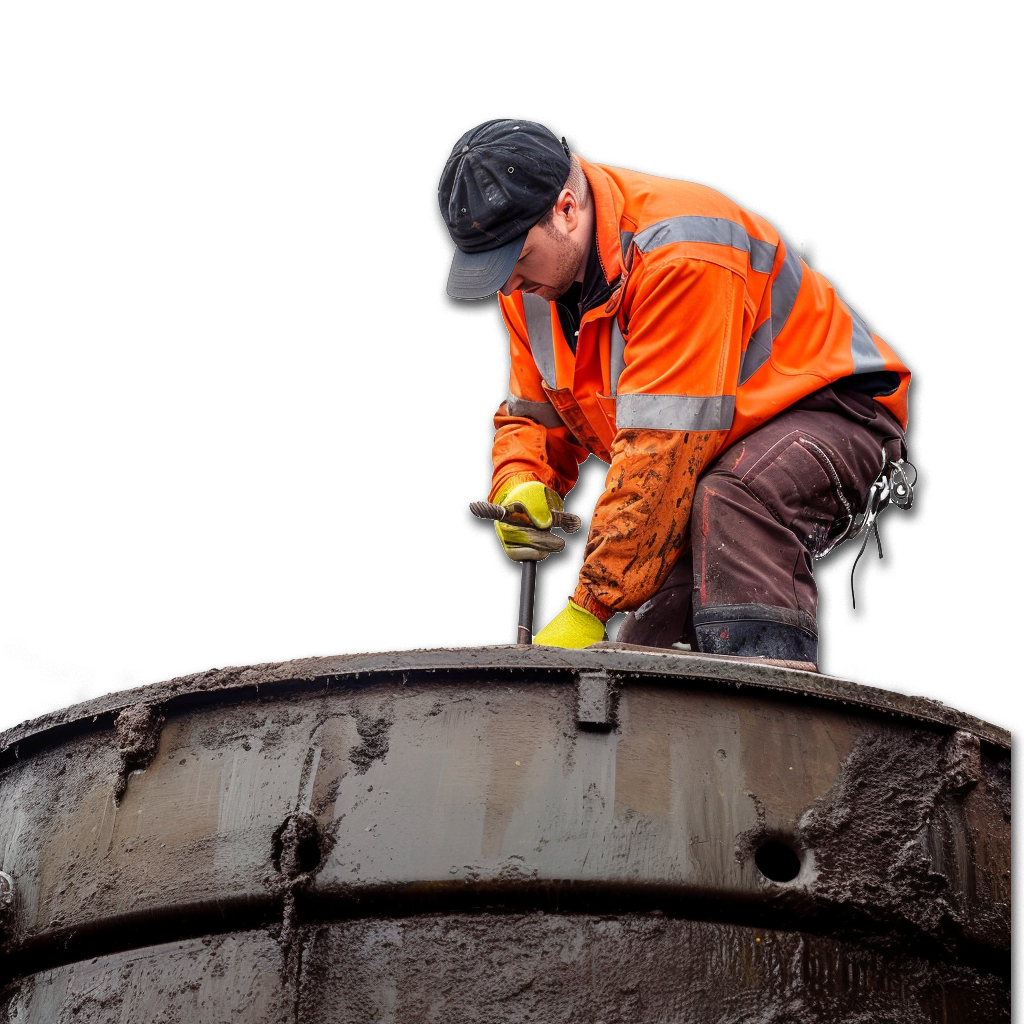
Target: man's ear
(567, 207)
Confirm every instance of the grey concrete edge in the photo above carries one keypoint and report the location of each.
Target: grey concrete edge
(311, 673)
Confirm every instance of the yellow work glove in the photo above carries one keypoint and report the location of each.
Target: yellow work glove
(573, 626)
(524, 543)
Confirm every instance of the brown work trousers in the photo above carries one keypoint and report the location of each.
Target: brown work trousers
(762, 512)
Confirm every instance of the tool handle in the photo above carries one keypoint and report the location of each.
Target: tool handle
(516, 513)
(524, 633)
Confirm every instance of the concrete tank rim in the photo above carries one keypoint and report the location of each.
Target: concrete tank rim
(622, 661)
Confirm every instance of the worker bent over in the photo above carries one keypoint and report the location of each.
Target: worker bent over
(745, 410)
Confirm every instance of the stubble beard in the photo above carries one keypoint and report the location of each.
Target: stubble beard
(567, 266)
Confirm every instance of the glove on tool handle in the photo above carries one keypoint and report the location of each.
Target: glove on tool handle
(515, 515)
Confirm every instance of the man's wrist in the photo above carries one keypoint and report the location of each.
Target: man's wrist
(585, 600)
(500, 488)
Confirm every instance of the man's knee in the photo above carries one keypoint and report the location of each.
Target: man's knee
(667, 618)
(757, 631)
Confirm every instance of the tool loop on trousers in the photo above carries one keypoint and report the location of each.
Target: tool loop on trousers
(894, 484)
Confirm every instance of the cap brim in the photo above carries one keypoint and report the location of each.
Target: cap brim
(475, 275)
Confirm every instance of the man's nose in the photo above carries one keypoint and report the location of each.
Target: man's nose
(510, 285)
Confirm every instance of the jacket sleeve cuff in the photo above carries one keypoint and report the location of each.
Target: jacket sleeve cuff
(501, 486)
(584, 600)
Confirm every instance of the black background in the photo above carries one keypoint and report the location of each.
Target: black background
(249, 421)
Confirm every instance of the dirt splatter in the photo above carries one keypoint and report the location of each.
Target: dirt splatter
(374, 747)
(138, 735)
(873, 834)
(298, 854)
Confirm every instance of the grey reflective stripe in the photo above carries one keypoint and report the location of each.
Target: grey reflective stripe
(866, 357)
(763, 255)
(538, 327)
(759, 349)
(541, 412)
(784, 291)
(716, 230)
(625, 237)
(675, 412)
(617, 358)
(720, 231)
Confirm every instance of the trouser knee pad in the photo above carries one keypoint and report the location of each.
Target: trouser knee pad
(757, 631)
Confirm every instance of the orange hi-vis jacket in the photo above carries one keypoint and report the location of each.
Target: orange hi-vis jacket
(714, 325)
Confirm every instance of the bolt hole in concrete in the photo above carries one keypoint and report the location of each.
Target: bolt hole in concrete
(308, 854)
(777, 861)
(297, 845)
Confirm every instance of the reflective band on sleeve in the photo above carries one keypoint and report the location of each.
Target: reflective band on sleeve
(540, 412)
(538, 327)
(716, 230)
(675, 412)
(866, 357)
(720, 231)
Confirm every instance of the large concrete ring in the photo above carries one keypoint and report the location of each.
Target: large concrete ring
(505, 834)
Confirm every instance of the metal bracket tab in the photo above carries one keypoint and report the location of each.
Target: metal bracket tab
(597, 700)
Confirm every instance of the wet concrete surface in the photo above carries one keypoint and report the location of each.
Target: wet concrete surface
(540, 967)
(466, 809)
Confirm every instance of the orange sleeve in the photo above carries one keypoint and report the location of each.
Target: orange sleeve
(526, 450)
(641, 522)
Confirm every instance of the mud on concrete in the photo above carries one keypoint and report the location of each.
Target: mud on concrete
(877, 836)
(537, 968)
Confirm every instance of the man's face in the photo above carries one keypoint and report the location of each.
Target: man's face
(552, 257)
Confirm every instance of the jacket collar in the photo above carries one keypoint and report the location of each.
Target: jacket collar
(609, 206)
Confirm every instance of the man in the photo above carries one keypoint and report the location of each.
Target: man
(750, 418)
